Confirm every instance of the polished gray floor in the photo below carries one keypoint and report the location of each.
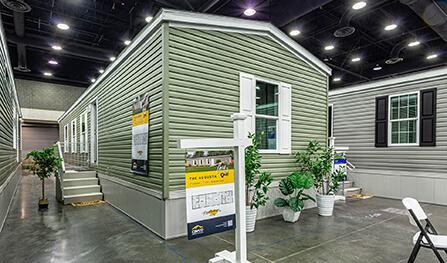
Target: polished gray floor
(372, 230)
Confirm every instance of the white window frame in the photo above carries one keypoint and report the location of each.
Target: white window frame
(417, 118)
(83, 136)
(73, 137)
(66, 139)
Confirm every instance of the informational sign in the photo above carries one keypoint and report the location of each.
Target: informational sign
(140, 134)
(210, 205)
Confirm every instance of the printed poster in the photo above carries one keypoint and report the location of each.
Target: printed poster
(140, 134)
(210, 204)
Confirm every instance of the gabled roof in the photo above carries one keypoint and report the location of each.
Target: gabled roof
(207, 21)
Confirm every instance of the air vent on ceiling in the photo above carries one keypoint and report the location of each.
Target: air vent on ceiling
(393, 60)
(22, 69)
(16, 5)
(344, 31)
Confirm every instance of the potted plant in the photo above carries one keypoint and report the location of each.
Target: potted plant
(256, 182)
(45, 163)
(318, 161)
(293, 187)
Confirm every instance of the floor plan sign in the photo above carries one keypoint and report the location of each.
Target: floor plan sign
(210, 206)
(140, 130)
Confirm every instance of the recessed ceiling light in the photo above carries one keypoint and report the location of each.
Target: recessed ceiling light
(127, 42)
(414, 43)
(356, 59)
(92, 80)
(390, 27)
(112, 58)
(56, 47)
(432, 56)
(63, 26)
(249, 12)
(377, 67)
(294, 32)
(359, 5)
(329, 47)
(101, 71)
(48, 74)
(148, 19)
(53, 62)
(336, 79)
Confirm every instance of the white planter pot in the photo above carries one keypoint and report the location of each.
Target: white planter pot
(290, 216)
(250, 215)
(325, 204)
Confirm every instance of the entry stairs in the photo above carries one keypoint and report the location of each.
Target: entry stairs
(348, 189)
(80, 186)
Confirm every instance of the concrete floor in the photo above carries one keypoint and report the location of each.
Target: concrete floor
(372, 230)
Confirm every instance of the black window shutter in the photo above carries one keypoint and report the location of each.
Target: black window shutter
(427, 126)
(381, 138)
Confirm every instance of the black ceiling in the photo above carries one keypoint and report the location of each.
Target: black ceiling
(99, 27)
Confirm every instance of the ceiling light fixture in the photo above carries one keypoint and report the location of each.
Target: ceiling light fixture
(148, 19)
(48, 74)
(112, 58)
(127, 42)
(336, 79)
(414, 43)
(377, 67)
(63, 26)
(53, 62)
(249, 12)
(56, 47)
(432, 56)
(359, 5)
(329, 47)
(101, 71)
(93, 80)
(390, 27)
(294, 32)
(356, 59)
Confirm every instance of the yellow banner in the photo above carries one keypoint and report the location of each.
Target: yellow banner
(140, 118)
(207, 178)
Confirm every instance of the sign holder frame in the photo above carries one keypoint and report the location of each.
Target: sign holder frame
(239, 143)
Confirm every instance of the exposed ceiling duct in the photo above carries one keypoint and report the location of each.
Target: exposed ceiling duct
(16, 5)
(432, 13)
(345, 29)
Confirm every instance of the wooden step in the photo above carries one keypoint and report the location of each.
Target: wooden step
(79, 174)
(80, 182)
(84, 189)
(347, 184)
(352, 191)
(68, 199)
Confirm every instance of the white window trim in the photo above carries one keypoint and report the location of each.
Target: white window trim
(417, 93)
(83, 137)
(73, 137)
(94, 139)
(66, 139)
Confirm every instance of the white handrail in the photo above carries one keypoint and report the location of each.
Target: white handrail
(59, 149)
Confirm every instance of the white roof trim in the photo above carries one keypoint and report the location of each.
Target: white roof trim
(412, 78)
(191, 18)
(9, 67)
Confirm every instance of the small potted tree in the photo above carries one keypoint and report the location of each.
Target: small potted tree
(318, 161)
(293, 187)
(45, 163)
(256, 183)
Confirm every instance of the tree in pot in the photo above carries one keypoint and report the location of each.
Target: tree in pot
(318, 161)
(256, 182)
(293, 187)
(45, 163)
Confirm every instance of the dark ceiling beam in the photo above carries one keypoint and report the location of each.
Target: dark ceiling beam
(348, 71)
(53, 79)
(190, 5)
(208, 5)
(167, 4)
(284, 12)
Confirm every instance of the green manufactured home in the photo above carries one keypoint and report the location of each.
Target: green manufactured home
(197, 70)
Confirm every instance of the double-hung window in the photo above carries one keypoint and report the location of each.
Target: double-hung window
(267, 105)
(83, 132)
(404, 119)
(66, 139)
(73, 136)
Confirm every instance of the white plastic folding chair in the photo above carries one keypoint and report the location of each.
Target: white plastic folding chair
(427, 236)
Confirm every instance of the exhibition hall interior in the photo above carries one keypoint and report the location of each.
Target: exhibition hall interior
(223, 131)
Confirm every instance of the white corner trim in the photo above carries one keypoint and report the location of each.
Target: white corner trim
(199, 19)
(412, 78)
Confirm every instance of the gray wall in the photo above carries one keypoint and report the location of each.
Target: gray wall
(394, 171)
(46, 96)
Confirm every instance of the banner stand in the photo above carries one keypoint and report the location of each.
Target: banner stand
(239, 143)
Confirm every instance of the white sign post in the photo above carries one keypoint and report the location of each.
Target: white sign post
(239, 143)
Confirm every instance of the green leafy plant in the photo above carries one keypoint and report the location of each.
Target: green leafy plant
(45, 163)
(256, 181)
(293, 187)
(318, 162)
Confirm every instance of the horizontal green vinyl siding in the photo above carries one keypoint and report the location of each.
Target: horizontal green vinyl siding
(204, 67)
(138, 74)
